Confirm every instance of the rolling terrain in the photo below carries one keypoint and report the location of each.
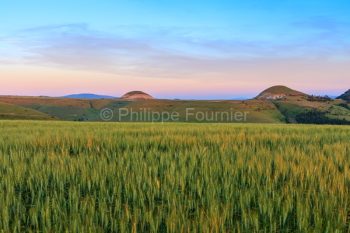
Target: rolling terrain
(10, 111)
(278, 104)
(298, 107)
(89, 110)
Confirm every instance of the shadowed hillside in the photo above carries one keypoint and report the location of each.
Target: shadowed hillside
(298, 107)
(345, 96)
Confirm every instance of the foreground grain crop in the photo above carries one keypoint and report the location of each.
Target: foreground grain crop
(95, 177)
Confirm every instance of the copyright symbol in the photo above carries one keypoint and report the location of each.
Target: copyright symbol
(106, 114)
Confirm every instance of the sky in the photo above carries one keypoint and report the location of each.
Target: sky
(208, 49)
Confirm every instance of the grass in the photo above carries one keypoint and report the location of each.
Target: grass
(89, 110)
(339, 112)
(289, 110)
(9, 111)
(257, 111)
(173, 177)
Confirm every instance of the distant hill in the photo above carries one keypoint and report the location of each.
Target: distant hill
(279, 93)
(88, 96)
(288, 106)
(345, 96)
(90, 110)
(137, 95)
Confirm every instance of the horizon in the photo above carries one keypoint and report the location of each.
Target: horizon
(175, 116)
(183, 96)
(204, 97)
(174, 49)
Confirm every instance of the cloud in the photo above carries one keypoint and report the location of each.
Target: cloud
(327, 37)
(168, 52)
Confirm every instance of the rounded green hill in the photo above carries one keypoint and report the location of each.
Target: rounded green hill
(279, 92)
(137, 95)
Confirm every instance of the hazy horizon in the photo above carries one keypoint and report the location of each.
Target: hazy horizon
(203, 96)
(174, 49)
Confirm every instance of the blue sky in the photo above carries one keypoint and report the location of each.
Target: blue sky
(213, 49)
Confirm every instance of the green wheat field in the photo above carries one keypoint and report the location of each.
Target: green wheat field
(173, 177)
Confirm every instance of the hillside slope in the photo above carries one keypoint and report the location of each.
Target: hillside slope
(317, 110)
(345, 96)
(258, 111)
(137, 95)
(9, 111)
(279, 92)
(294, 107)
